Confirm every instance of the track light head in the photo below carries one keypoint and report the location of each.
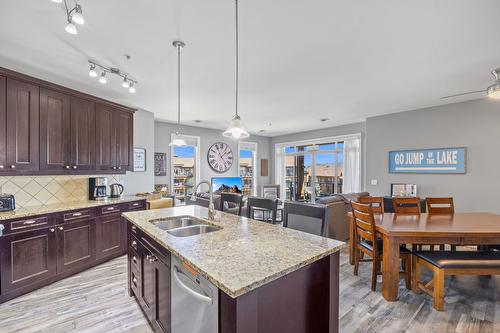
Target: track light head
(103, 79)
(132, 88)
(125, 83)
(92, 72)
(71, 28)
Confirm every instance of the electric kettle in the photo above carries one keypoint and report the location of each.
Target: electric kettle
(116, 190)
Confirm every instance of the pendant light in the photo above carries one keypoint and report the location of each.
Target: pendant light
(177, 139)
(236, 129)
(493, 91)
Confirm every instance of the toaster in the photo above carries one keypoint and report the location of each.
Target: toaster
(7, 202)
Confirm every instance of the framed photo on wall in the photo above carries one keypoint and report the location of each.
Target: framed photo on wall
(139, 159)
(160, 164)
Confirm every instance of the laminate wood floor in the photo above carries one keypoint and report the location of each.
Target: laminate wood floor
(97, 301)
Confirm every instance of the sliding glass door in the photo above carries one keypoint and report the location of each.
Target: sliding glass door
(308, 171)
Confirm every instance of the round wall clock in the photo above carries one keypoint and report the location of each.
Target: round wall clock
(220, 157)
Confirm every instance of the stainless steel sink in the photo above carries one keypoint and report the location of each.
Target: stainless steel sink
(177, 222)
(193, 230)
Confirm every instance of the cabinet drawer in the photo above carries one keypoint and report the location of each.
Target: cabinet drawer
(76, 215)
(135, 205)
(110, 209)
(29, 223)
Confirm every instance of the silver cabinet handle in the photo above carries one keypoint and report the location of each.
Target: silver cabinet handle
(152, 259)
(66, 167)
(1, 166)
(77, 214)
(134, 228)
(119, 168)
(134, 280)
(135, 204)
(61, 228)
(52, 229)
(1, 229)
(74, 167)
(134, 259)
(12, 166)
(29, 222)
(134, 243)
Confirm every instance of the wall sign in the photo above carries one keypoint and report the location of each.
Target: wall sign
(439, 160)
(160, 164)
(139, 159)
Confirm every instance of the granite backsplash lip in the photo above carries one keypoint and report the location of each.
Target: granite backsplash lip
(59, 207)
(244, 255)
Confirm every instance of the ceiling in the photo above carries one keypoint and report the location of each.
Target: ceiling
(300, 60)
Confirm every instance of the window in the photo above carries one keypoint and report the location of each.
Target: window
(185, 168)
(317, 168)
(248, 166)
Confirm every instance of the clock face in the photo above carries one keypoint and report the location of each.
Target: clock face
(220, 157)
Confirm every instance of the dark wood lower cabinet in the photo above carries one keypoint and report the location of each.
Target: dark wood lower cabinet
(39, 250)
(27, 257)
(149, 273)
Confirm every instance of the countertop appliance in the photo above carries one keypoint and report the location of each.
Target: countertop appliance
(116, 190)
(195, 301)
(98, 188)
(7, 202)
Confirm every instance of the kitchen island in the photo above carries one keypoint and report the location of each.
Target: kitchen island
(268, 278)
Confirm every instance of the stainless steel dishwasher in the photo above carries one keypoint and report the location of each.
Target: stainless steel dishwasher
(195, 302)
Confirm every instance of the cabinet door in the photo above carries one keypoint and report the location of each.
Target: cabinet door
(76, 245)
(109, 235)
(27, 257)
(3, 123)
(161, 315)
(105, 138)
(124, 144)
(82, 134)
(22, 126)
(55, 137)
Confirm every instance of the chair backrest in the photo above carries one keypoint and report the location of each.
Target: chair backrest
(440, 206)
(309, 218)
(406, 205)
(270, 191)
(267, 204)
(364, 224)
(376, 202)
(234, 198)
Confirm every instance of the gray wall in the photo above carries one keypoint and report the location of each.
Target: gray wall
(144, 128)
(322, 133)
(473, 124)
(208, 137)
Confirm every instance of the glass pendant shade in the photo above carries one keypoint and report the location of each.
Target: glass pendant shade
(236, 129)
(178, 141)
(77, 18)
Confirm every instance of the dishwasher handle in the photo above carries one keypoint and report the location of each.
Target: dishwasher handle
(193, 293)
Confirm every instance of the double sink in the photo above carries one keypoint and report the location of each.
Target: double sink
(184, 226)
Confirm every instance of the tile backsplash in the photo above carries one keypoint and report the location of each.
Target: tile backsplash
(44, 190)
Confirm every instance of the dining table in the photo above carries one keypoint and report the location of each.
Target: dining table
(397, 229)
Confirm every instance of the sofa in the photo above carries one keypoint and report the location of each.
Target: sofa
(337, 206)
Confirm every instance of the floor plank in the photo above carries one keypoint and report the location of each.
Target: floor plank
(97, 301)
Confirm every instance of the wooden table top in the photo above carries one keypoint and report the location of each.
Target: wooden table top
(438, 225)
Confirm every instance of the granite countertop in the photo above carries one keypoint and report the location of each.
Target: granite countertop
(53, 208)
(242, 256)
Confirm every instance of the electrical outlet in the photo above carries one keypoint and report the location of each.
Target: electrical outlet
(374, 182)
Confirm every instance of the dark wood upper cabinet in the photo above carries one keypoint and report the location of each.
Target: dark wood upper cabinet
(124, 144)
(83, 137)
(55, 138)
(3, 122)
(105, 138)
(22, 141)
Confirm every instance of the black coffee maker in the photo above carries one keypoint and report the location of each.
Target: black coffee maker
(98, 188)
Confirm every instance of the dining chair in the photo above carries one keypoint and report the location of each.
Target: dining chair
(310, 218)
(376, 202)
(263, 205)
(234, 198)
(441, 206)
(406, 205)
(367, 242)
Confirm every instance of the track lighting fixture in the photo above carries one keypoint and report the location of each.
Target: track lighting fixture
(127, 81)
(73, 15)
(103, 79)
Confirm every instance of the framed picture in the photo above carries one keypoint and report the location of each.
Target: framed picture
(271, 191)
(435, 160)
(160, 164)
(139, 159)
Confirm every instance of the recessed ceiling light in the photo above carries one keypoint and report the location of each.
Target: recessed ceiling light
(324, 119)
(197, 121)
(262, 131)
